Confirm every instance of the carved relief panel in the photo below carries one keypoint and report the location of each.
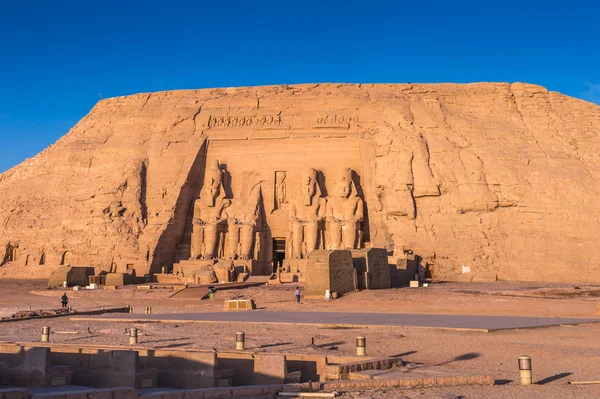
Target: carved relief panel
(280, 190)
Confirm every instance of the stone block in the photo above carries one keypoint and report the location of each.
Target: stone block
(269, 369)
(295, 388)
(125, 393)
(374, 262)
(118, 279)
(36, 358)
(218, 393)
(105, 393)
(100, 359)
(73, 275)
(193, 394)
(126, 361)
(167, 394)
(329, 270)
(248, 391)
(77, 395)
(14, 393)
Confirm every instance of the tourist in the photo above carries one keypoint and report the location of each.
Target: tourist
(297, 293)
(64, 300)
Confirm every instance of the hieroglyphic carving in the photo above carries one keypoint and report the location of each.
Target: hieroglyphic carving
(336, 120)
(244, 121)
(344, 214)
(280, 189)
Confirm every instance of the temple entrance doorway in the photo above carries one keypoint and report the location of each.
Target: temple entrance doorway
(278, 253)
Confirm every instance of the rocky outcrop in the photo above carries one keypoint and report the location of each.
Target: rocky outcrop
(498, 177)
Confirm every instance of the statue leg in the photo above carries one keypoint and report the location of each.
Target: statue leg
(210, 241)
(233, 236)
(335, 235)
(221, 253)
(246, 238)
(310, 236)
(349, 235)
(197, 241)
(296, 240)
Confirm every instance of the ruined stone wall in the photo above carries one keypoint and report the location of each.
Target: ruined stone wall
(500, 178)
(374, 261)
(329, 270)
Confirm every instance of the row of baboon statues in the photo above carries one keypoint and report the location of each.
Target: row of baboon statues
(223, 228)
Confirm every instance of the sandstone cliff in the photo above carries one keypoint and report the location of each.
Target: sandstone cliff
(500, 178)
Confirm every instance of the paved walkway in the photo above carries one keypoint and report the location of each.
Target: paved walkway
(462, 322)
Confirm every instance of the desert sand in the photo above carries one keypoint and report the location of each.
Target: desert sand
(559, 354)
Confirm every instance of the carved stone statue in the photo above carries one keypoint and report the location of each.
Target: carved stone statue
(209, 210)
(243, 224)
(344, 214)
(306, 216)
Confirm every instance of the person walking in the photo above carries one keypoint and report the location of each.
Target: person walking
(64, 300)
(297, 294)
(211, 292)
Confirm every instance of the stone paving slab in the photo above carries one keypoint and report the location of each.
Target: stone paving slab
(455, 322)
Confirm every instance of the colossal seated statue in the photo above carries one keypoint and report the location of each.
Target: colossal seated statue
(209, 212)
(306, 215)
(242, 226)
(344, 214)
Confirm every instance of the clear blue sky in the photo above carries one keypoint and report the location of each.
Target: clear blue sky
(57, 56)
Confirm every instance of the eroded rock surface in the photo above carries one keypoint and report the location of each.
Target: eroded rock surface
(500, 178)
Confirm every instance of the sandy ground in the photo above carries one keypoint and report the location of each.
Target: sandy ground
(500, 298)
(560, 354)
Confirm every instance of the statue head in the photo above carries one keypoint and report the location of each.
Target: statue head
(213, 185)
(345, 185)
(309, 186)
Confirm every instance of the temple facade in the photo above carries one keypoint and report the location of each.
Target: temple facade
(268, 200)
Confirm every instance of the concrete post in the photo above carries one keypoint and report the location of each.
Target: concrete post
(240, 340)
(133, 334)
(525, 369)
(361, 346)
(46, 334)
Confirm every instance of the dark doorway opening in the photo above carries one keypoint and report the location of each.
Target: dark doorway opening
(278, 253)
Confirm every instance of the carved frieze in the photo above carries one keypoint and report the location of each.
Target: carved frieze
(335, 120)
(257, 121)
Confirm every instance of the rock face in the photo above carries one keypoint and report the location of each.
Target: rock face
(500, 178)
